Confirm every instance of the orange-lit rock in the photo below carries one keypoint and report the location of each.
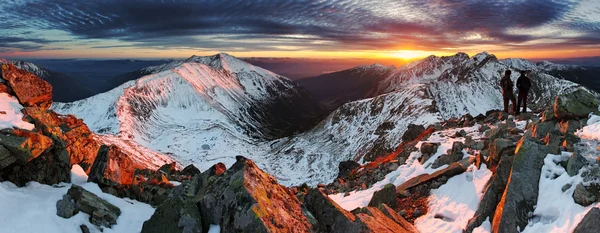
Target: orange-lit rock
(29, 89)
(112, 167)
(81, 145)
(34, 144)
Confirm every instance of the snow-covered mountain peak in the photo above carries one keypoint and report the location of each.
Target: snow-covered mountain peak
(27, 66)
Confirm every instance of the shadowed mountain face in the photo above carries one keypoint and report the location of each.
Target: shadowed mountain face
(335, 89)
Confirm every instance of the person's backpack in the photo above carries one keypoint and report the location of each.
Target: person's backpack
(525, 84)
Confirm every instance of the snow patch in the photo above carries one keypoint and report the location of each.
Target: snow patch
(12, 116)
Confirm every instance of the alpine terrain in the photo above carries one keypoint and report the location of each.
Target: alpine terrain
(215, 144)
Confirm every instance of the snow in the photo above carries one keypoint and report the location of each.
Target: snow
(407, 171)
(556, 211)
(592, 130)
(13, 116)
(32, 208)
(454, 203)
(214, 229)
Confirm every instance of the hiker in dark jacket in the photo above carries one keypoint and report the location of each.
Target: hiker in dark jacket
(523, 84)
(507, 91)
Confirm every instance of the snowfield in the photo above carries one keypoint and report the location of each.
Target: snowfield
(36, 203)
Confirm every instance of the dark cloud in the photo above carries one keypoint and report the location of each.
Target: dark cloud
(342, 24)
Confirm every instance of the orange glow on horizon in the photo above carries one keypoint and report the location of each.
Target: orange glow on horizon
(402, 55)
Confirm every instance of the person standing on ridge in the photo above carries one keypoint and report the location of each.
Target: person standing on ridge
(507, 91)
(523, 84)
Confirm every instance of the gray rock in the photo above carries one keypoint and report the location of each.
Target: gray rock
(589, 223)
(346, 167)
(175, 215)
(245, 197)
(455, 154)
(569, 126)
(548, 115)
(582, 196)
(494, 133)
(500, 147)
(331, 217)
(412, 132)
(101, 212)
(190, 170)
(427, 150)
(542, 129)
(6, 159)
(566, 187)
(574, 105)
(386, 195)
(84, 229)
(65, 207)
(522, 189)
(492, 194)
(575, 163)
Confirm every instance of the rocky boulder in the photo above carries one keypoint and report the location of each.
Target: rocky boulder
(582, 196)
(374, 220)
(25, 145)
(101, 212)
(575, 163)
(427, 150)
(575, 105)
(112, 167)
(245, 197)
(176, 215)
(412, 132)
(521, 193)
(28, 88)
(589, 223)
(492, 194)
(346, 167)
(498, 148)
(330, 216)
(386, 195)
(454, 155)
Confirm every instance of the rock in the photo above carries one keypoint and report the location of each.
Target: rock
(412, 132)
(554, 139)
(582, 196)
(570, 141)
(101, 212)
(84, 229)
(494, 133)
(427, 150)
(65, 207)
(548, 115)
(168, 168)
(50, 167)
(521, 193)
(589, 223)
(190, 170)
(492, 194)
(575, 105)
(455, 154)
(405, 226)
(330, 216)
(569, 126)
(498, 148)
(245, 197)
(484, 128)
(6, 159)
(542, 129)
(566, 187)
(28, 88)
(346, 167)
(112, 167)
(386, 195)
(175, 215)
(450, 171)
(575, 163)
(374, 220)
(25, 145)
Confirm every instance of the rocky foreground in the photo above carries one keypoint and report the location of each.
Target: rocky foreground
(515, 152)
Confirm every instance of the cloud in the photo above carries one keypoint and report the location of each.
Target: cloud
(296, 25)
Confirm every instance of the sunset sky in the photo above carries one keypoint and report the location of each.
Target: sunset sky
(326, 29)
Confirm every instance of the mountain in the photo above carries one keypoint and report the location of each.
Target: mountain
(201, 110)
(337, 88)
(210, 109)
(65, 88)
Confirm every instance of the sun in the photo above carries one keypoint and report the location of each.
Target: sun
(409, 54)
